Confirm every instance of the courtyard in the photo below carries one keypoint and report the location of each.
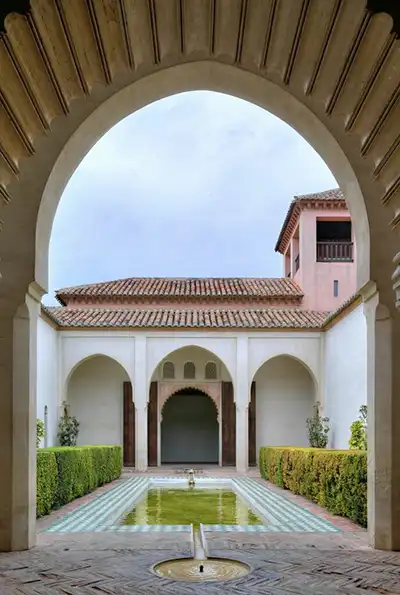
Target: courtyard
(302, 562)
(70, 72)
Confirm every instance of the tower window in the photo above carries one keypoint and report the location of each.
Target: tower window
(335, 288)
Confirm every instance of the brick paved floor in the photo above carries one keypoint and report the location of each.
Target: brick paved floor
(282, 563)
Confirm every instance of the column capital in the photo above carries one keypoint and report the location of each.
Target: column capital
(368, 292)
(36, 291)
(396, 279)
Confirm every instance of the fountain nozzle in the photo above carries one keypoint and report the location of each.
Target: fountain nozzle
(191, 478)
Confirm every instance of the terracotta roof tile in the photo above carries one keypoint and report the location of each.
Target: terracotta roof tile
(334, 195)
(331, 194)
(187, 288)
(188, 318)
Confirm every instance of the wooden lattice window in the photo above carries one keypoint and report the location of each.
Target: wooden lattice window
(168, 370)
(189, 370)
(211, 371)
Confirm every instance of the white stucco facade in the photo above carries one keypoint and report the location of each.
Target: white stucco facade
(48, 379)
(291, 370)
(345, 374)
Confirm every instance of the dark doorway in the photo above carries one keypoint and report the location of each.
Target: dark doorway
(189, 429)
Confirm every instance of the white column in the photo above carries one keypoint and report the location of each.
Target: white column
(23, 528)
(140, 397)
(383, 390)
(242, 396)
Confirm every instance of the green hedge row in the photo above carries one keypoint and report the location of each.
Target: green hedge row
(335, 479)
(66, 473)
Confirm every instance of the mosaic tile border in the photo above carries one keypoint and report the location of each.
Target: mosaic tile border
(279, 509)
(277, 512)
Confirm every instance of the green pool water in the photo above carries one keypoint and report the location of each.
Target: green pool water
(165, 506)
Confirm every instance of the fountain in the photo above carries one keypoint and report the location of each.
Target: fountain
(191, 480)
(201, 567)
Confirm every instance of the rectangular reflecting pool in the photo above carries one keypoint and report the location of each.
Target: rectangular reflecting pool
(165, 504)
(186, 506)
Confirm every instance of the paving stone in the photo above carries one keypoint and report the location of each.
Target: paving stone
(107, 564)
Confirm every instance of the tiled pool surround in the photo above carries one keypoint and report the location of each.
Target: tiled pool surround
(104, 512)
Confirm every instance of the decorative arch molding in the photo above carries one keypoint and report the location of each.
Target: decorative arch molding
(167, 389)
(301, 361)
(215, 76)
(68, 372)
(219, 349)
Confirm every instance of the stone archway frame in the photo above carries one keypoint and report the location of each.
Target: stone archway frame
(166, 390)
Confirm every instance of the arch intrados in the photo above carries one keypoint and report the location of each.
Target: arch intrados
(181, 391)
(289, 356)
(167, 357)
(90, 357)
(212, 76)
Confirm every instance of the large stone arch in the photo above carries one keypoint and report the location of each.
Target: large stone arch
(339, 63)
(214, 76)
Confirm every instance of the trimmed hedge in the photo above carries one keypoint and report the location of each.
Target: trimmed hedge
(69, 472)
(46, 481)
(335, 479)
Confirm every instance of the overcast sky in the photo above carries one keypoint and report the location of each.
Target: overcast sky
(197, 184)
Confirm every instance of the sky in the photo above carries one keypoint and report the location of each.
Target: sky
(194, 185)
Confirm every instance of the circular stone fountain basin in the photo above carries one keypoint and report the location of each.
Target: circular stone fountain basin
(213, 569)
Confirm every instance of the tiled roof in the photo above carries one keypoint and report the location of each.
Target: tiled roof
(334, 195)
(189, 318)
(187, 288)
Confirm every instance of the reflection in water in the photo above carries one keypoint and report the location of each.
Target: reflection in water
(183, 506)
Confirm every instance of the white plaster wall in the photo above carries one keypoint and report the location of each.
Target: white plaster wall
(345, 374)
(199, 357)
(95, 396)
(285, 395)
(47, 378)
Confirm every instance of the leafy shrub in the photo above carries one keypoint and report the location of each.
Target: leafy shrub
(358, 429)
(40, 431)
(78, 471)
(68, 429)
(46, 481)
(335, 479)
(318, 429)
